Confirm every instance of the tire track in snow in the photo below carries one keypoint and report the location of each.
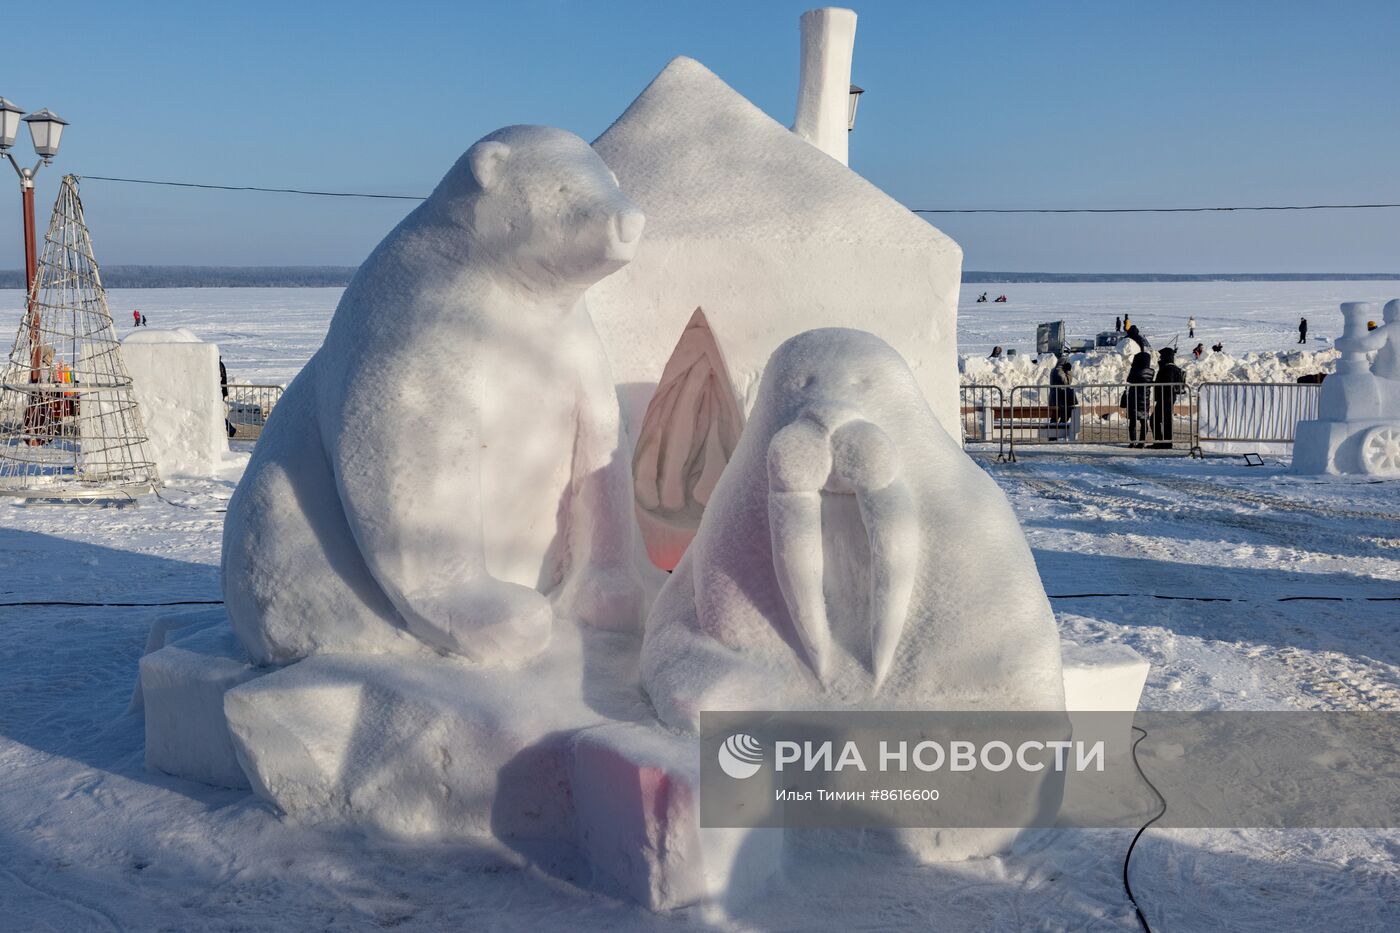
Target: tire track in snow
(67, 900)
(1331, 679)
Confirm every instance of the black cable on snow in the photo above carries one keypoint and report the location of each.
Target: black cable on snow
(1127, 885)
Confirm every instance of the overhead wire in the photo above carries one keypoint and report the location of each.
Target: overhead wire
(916, 210)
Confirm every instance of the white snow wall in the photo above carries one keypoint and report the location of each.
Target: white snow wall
(176, 382)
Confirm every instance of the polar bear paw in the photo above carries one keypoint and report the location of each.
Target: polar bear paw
(489, 621)
(605, 598)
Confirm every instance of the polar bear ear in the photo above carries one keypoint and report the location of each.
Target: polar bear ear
(487, 160)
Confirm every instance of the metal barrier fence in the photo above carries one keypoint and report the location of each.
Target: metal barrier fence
(1099, 414)
(1161, 416)
(247, 408)
(1253, 412)
(979, 407)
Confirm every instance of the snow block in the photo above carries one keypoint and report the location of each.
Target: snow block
(636, 791)
(433, 748)
(1102, 677)
(176, 380)
(182, 688)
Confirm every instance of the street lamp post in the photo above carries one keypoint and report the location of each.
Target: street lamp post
(45, 130)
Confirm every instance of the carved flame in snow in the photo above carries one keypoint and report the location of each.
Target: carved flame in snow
(688, 435)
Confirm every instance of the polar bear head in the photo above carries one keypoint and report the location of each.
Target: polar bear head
(544, 205)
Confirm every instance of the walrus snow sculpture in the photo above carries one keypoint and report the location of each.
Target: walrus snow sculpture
(451, 453)
(851, 556)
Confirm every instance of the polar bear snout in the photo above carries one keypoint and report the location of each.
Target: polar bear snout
(624, 233)
(628, 225)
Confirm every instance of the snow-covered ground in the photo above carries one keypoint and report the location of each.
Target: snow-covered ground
(1285, 598)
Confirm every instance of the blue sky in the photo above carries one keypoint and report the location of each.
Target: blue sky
(968, 105)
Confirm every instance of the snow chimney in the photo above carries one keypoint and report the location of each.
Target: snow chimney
(824, 87)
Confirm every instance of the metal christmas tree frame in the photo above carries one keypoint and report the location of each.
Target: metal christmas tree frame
(69, 424)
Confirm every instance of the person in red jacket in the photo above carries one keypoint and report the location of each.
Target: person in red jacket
(135, 318)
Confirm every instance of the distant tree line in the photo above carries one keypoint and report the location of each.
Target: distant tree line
(210, 277)
(339, 276)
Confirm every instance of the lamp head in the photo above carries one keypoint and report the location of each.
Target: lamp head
(46, 129)
(9, 123)
(851, 107)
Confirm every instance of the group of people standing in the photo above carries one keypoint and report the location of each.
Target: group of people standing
(1150, 397)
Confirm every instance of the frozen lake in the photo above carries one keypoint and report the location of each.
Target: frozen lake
(1244, 316)
(267, 334)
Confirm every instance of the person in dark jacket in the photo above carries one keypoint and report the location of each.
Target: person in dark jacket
(1138, 398)
(229, 429)
(1063, 398)
(1170, 383)
(1117, 324)
(1136, 336)
(1303, 330)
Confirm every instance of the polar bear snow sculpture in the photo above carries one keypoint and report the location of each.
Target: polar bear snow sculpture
(851, 555)
(451, 453)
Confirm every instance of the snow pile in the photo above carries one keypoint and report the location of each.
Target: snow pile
(175, 377)
(449, 461)
(770, 236)
(851, 556)
(1111, 367)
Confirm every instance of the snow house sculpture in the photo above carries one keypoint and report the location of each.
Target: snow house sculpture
(767, 231)
(397, 583)
(70, 427)
(688, 434)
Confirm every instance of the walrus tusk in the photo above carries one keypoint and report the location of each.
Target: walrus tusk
(832, 451)
(799, 462)
(866, 461)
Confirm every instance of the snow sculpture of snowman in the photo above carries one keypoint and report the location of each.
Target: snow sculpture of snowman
(1357, 430)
